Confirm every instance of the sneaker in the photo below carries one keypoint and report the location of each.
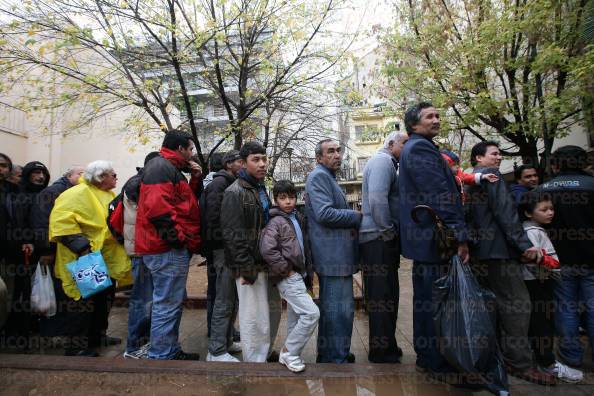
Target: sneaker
(234, 348)
(564, 372)
(293, 363)
(225, 357)
(181, 355)
(140, 353)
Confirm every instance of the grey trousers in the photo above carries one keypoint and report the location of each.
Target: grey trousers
(225, 307)
(302, 313)
(505, 279)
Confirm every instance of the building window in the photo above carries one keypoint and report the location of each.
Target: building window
(361, 162)
(367, 133)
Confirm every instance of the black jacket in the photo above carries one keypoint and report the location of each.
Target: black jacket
(495, 228)
(8, 247)
(242, 220)
(213, 198)
(23, 202)
(572, 229)
(43, 203)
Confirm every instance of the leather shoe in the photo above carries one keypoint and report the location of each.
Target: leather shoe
(533, 375)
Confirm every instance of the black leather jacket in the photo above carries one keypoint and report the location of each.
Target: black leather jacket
(242, 220)
(495, 228)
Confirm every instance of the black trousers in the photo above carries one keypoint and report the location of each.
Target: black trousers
(542, 331)
(381, 261)
(211, 290)
(84, 322)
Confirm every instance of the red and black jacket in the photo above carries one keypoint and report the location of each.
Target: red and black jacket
(168, 213)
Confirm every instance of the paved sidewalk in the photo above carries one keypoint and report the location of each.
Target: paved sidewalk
(111, 374)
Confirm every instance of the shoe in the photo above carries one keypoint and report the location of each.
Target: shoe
(421, 369)
(140, 353)
(181, 355)
(80, 352)
(234, 348)
(351, 358)
(564, 372)
(293, 363)
(272, 357)
(110, 341)
(236, 336)
(533, 375)
(225, 357)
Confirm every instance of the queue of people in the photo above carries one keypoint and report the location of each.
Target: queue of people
(531, 246)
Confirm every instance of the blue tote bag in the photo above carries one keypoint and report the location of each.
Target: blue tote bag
(90, 273)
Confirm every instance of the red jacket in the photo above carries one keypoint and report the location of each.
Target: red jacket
(168, 214)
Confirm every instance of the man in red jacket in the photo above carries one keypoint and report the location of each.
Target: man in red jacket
(167, 233)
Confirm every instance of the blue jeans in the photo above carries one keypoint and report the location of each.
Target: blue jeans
(425, 341)
(140, 306)
(574, 289)
(169, 272)
(337, 312)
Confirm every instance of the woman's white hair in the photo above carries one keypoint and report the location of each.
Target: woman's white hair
(96, 169)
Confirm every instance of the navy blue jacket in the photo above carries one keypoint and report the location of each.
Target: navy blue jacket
(332, 226)
(426, 179)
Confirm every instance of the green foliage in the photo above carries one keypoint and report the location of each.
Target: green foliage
(515, 69)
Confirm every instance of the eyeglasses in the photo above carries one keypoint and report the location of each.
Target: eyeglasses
(114, 175)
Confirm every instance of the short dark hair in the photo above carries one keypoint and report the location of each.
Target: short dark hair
(412, 116)
(253, 147)
(481, 149)
(284, 187)
(528, 202)
(520, 169)
(174, 138)
(570, 158)
(215, 162)
(150, 156)
(319, 150)
(7, 159)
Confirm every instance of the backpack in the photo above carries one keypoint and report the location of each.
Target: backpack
(115, 217)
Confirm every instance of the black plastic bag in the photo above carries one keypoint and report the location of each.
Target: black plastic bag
(465, 328)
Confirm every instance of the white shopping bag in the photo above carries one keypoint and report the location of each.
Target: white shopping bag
(43, 298)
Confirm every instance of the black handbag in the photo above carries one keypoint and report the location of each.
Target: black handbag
(444, 236)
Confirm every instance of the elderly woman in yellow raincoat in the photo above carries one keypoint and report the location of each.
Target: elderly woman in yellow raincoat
(78, 226)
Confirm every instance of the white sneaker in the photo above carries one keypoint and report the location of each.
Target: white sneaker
(234, 348)
(140, 353)
(293, 363)
(225, 357)
(565, 373)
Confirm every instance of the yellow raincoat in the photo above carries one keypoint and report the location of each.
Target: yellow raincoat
(82, 209)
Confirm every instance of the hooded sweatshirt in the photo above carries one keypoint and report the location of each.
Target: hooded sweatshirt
(23, 202)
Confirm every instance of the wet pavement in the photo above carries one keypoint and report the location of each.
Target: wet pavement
(111, 374)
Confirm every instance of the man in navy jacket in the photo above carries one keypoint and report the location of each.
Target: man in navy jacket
(425, 179)
(333, 235)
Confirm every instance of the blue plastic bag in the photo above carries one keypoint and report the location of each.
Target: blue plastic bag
(90, 273)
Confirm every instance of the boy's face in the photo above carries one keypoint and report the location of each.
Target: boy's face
(543, 213)
(286, 202)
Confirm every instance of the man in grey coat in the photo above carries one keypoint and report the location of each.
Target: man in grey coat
(333, 235)
(380, 248)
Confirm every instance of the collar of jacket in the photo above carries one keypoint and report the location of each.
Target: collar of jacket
(243, 175)
(416, 136)
(327, 170)
(174, 157)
